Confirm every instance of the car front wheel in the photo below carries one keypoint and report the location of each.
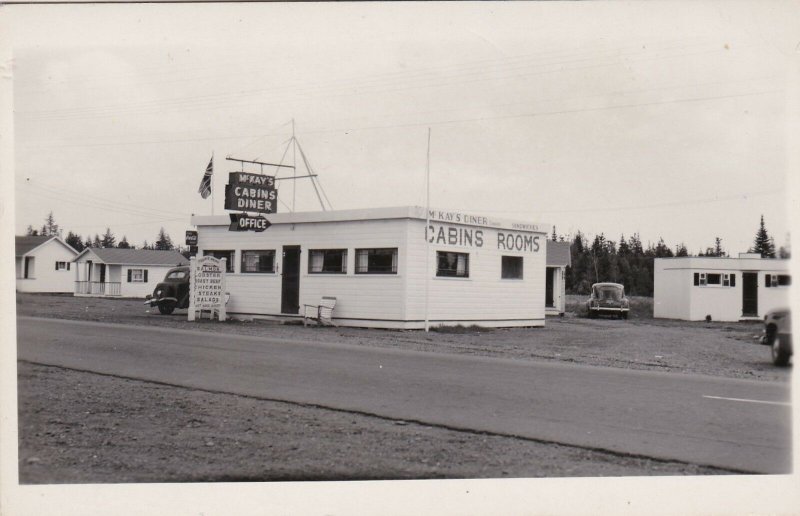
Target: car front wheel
(780, 351)
(166, 308)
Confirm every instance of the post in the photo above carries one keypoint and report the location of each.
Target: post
(223, 269)
(427, 225)
(212, 182)
(192, 285)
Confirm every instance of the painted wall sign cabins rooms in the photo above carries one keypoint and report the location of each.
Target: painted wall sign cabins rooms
(460, 236)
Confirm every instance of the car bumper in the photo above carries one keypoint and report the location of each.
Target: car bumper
(608, 309)
(156, 302)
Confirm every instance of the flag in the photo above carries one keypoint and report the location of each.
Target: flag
(205, 184)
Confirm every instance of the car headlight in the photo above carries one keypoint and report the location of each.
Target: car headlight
(625, 303)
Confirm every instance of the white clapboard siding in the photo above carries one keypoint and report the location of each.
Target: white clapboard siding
(43, 276)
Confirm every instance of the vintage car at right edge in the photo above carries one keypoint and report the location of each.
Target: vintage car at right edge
(778, 335)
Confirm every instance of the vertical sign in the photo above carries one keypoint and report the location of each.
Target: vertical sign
(207, 286)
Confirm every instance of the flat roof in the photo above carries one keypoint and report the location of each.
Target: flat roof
(461, 217)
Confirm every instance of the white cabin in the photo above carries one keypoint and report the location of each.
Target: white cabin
(43, 264)
(472, 269)
(115, 272)
(726, 289)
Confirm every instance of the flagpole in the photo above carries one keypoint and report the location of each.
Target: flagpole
(212, 182)
(427, 226)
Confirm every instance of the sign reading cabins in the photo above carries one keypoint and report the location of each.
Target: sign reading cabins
(446, 234)
(251, 192)
(207, 287)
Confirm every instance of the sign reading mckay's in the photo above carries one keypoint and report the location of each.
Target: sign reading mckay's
(207, 286)
(251, 192)
(457, 234)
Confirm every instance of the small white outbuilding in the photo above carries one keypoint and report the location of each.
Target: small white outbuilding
(43, 264)
(386, 267)
(726, 289)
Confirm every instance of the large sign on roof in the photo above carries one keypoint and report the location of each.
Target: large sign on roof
(251, 193)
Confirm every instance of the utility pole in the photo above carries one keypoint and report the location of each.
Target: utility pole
(427, 225)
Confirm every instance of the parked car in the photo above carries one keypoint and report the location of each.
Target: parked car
(171, 293)
(778, 335)
(608, 299)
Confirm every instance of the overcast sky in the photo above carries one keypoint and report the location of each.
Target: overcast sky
(665, 119)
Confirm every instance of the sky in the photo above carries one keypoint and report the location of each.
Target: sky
(663, 119)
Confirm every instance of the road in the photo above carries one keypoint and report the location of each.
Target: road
(741, 425)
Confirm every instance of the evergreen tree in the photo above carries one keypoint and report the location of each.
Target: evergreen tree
(554, 238)
(164, 243)
(785, 251)
(50, 227)
(31, 232)
(97, 243)
(123, 244)
(108, 240)
(718, 251)
(145, 245)
(680, 250)
(762, 243)
(74, 241)
(88, 243)
(624, 249)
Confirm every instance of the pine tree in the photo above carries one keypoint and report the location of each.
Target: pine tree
(97, 242)
(762, 243)
(31, 232)
(164, 243)
(554, 238)
(50, 227)
(88, 243)
(718, 251)
(108, 240)
(680, 250)
(123, 244)
(74, 241)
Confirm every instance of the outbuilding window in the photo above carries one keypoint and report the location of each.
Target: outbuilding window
(322, 261)
(714, 279)
(228, 255)
(258, 261)
(452, 264)
(376, 261)
(137, 275)
(777, 280)
(511, 267)
(729, 280)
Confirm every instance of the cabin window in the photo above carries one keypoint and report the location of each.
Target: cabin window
(321, 261)
(376, 261)
(777, 280)
(137, 276)
(258, 261)
(452, 264)
(228, 255)
(62, 266)
(511, 267)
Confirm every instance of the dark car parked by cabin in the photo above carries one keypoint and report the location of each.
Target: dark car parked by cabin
(608, 299)
(171, 293)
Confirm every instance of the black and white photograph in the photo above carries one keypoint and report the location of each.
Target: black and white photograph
(398, 257)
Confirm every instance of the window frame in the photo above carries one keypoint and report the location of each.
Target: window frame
(62, 266)
(243, 254)
(311, 254)
(229, 262)
(503, 260)
(395, 259)
(714, 276)
(133, 275)
(439, 270)
(784, 280)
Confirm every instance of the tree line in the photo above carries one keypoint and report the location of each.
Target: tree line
(629, 262)
(163, 241)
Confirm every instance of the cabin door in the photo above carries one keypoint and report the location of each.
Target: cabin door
(290, 283)
(750, 294)
(548, 287)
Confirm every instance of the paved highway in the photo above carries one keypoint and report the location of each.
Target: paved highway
(730, 423)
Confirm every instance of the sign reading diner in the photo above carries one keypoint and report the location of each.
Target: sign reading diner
(251, 192)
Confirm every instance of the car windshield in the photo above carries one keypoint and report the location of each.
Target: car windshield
(177, 275)
(608, 293)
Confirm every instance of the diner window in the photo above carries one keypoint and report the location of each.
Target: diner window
(511, 267)
(376, 261)
(137, 275)
(452, 264)
(258, 261)
(228, 255)
(322, 261)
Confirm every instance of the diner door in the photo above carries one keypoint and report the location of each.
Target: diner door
(750, 294)
(290, 283)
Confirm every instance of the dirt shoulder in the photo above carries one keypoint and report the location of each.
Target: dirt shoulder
(720, 349)
(78, 427)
